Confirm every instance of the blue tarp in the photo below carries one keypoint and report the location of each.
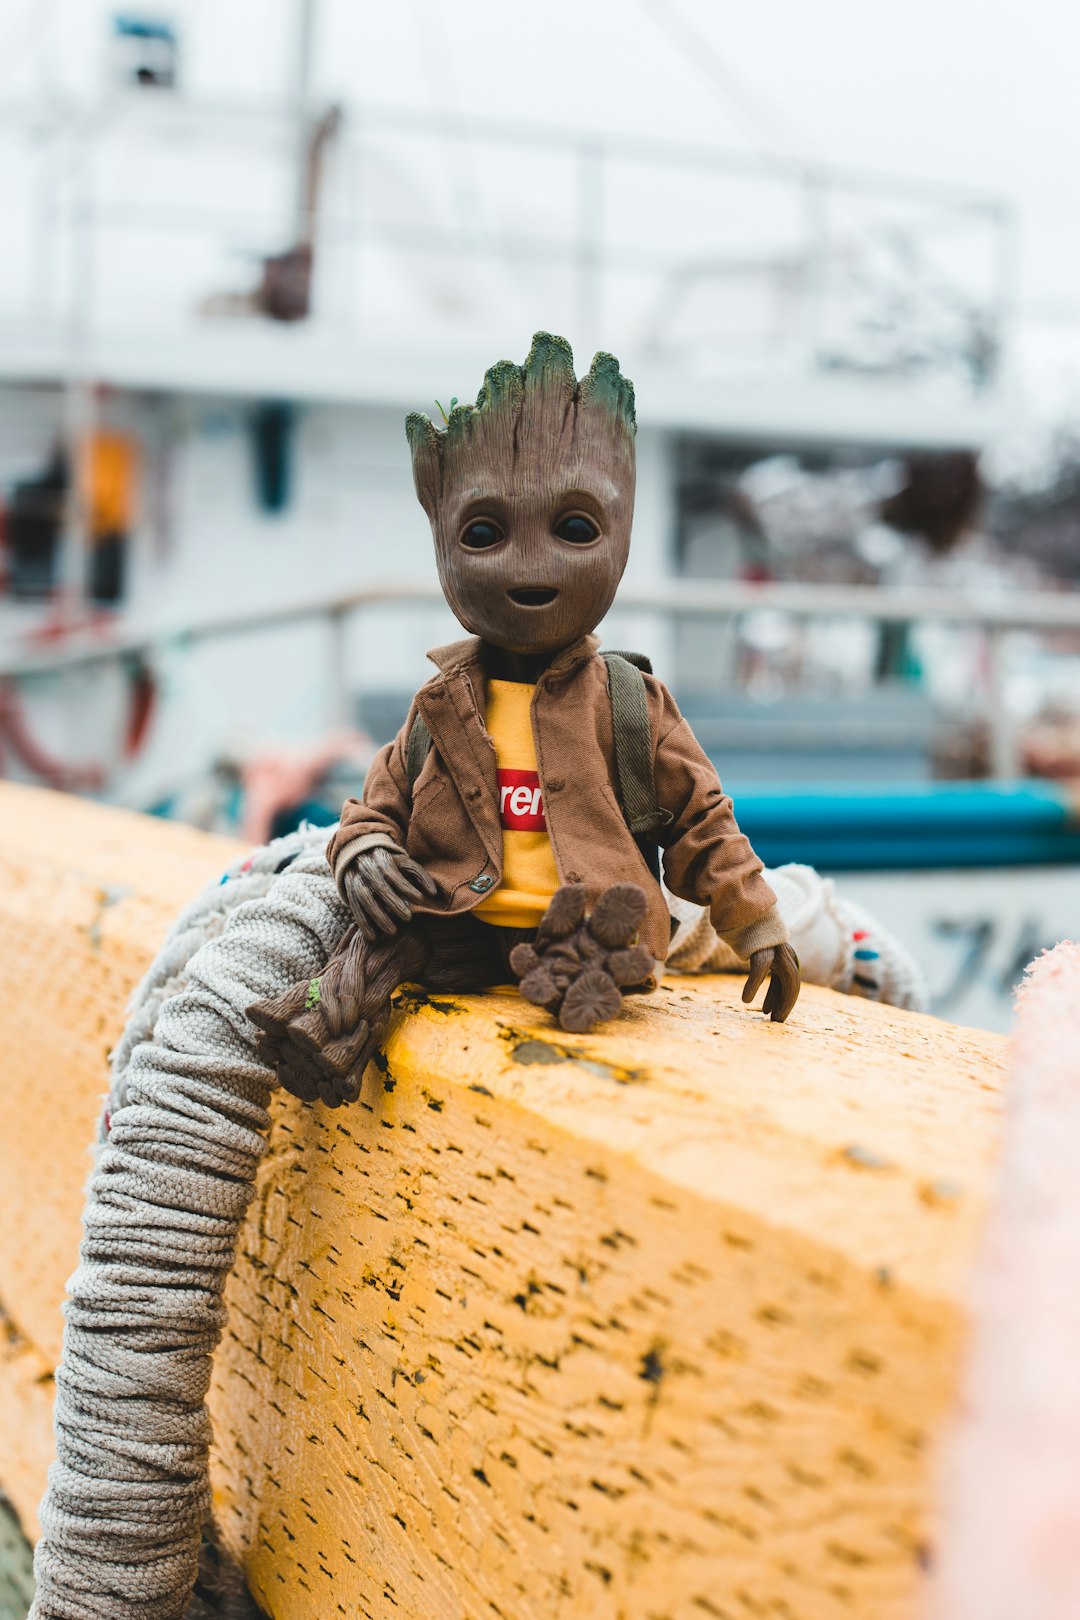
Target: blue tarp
(924, 825)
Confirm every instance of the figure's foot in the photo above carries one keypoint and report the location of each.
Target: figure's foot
(313, 1061)
(321, 1035)
(579, 966)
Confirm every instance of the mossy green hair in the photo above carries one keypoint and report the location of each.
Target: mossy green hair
(507, 386)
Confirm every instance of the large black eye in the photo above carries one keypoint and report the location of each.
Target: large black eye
(481, 534)
(578, 530)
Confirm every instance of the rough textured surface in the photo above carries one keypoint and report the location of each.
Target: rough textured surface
(129, 1493)
(86, 895)
(1011, 1528)
(26, 1400)
(657, 1322)
(16, 1575)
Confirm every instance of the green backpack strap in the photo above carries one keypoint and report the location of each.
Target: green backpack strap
(416, 750)
(633, 741)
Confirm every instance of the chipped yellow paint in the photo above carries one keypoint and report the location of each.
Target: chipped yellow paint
(658, 1323)
(86, 894)
(26, 1398)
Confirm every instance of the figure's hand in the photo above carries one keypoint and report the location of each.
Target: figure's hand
(382, 886)
(782, 966)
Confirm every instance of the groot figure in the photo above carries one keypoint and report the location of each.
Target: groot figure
(511, 829)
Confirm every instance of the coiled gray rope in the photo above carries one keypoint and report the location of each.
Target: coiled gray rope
(128, 1494)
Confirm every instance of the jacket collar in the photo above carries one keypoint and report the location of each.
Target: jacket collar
(456, 654)
(466, 654)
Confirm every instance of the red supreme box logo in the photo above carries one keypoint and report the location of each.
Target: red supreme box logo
(521, 804)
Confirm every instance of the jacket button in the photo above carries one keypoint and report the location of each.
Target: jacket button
(482, 883)
(556, 785)
(574, 877)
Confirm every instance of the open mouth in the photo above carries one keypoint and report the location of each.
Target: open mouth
(529, 597)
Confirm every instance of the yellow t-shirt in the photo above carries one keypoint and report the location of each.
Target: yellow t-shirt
(529, 876)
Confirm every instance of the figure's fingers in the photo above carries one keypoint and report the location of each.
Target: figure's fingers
(307, 1033)
(365, 891)
(296, 1079)
(350, 1010)
(393, 903)
(351, 883)
(277, 1011)
(349, 1088)
(344, 1065)
(398, 870)
(356, 899)
(787, 982)
(565, 912)
(268, 1050)
(344, 1054)
(760, 963)
(592, 999)
(618, 915)
(523, 958)
(340, 984)
(373, 917)
(382, 889)
(419, 875)
(631, 966)
(403, 883)
(328, 1093)
(588, 947)
(330, 1002)
(540, 988)
(263, 1015)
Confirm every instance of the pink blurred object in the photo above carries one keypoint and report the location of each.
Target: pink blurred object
(1010, 1523)
(284, 777)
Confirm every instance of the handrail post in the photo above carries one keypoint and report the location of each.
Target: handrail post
(1004, 752)
(590, 197)
(815, 226)
(337, 671)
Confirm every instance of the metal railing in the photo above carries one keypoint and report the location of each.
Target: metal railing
(819, 241)
(999, 618)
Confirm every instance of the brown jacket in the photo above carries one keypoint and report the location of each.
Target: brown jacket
(450, 822)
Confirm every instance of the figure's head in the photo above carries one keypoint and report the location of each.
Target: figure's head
(530, 493)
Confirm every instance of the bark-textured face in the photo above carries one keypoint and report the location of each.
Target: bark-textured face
(530, 493)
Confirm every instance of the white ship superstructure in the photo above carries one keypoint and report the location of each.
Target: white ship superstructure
(755, 300)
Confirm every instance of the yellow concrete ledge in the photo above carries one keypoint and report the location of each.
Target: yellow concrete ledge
(86, 895)
(658, 1323)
